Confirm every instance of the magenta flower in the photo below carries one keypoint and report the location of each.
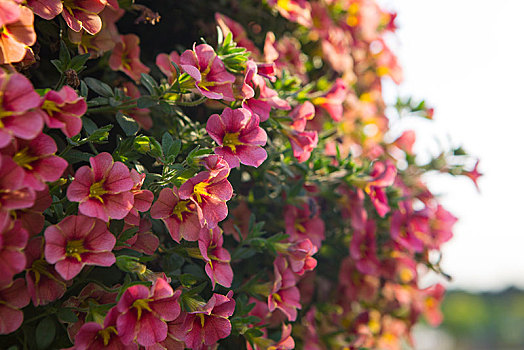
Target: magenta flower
(333, 100)
(94, 336)
(77, 241)
(144, 241)
(82, 14)
(176, 333)
(47, 9)
(431, 299)
(383, 175)
(179, 216)
(209, 324)
(13, 240)
(16, 32)
(363, 249)
(239, 136)
(284, 296)
(32, 218)
(126, 57)
(216, 257)
(13, 297)
(104, 190)
(302, 143)
(474, 175)
(63, 110)
(209, 194)
(301, 114)
(18, 118)
(144, 313)
(404, 230)
(140, 115)
(299, 255)
(44, 284)
(210, 75)
(227, 25)
(142, 198)
(37, 160)
(163, 62)
(303, 223)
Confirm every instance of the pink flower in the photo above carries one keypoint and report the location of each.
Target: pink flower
(302, 143)
(104, 190)
(37, 160)
(382, 175)
(299, 255)
(82, 14)
(301, 114)
(180, 216)
(227, 25)
(216, 257)
(140, 115)
(32, 218)
(144, 241)
(144, 313)
(333, 100)
(17, 117)
(176, 333)
(47, 9)
(63, 110)
(209, 324)
(126, 57)
(16, 32)
(239, 136)
(44, 284)
(363, 249)
(209, 194)
(406, 141)
(93, 336)
(431, 299)
(284, 295)
(12, 259)
(77, 241)
(210, 75)
(294, 10)
(405, 229)
(164, 63)
(13, 296)
(474, 175)
(142, 198)
(303, 223)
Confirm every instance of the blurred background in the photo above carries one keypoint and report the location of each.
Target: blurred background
(466, 59)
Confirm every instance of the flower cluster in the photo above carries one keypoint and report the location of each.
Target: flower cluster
(243, 195)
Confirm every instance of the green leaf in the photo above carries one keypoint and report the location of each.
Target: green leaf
(67, 315)
(78, 61)
(167, 142)
(45, 333)
(83, 89)
(174, 149)
(187, 280)
(99, 87)
(149, 83)
(127, 234)
(89, 125)
(145, 102)
(58, 65)
(100, 135)
(128, 124)
(75, 156)
(64, 55)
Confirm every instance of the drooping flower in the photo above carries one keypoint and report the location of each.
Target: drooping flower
(209, 324)
(81, 14)
(16, 32)
(12, 259)
(304, 223)
(284, 296)
(382, 175)
(37, 160)
(13, 297)
(63, 110)
(165, 63)
(104, 190)
(126, 57)
(144, 241)
(299, 255)
(302, 143)
(210, 75)
(18, 116)
(47, 9)
(333, 100)
(44, 284)
(301, 114)
(209, 194)
(94, 336)
(216, 257)
(77, 241)
(142, 198)
(180, 216)
(239, 136)
(144, 313)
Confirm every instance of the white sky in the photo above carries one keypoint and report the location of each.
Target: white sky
(466, 58)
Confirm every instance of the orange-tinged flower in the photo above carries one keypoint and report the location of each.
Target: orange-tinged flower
(16, 31)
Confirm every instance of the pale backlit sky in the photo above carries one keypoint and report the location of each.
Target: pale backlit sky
(466, 58)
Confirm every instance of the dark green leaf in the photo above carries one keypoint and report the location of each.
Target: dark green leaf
(145, 102)
(100, 135)
(149, 83)
(67, 315)
(89, 125)
(75, 156)
(167, 142)
(58, 65)
(45, 333)
(128, 124)
(99, 87)
(83, 89)
(64, 55)
(78, 61)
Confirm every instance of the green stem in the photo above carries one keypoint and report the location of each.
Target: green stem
(192, 103)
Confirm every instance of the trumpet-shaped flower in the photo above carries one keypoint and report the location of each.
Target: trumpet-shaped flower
(216, 257)
(13, 297)
(82, 14)
(239, 136)
(18, 116)
(142, 198)
(210, 75)
(126, 57)
(77, 241)
(63, 110)
(165, 63)
(179, 216)
(302, 143)
(104, 190)
(333, 100)
(12, 259)
(284, 295)
(16, 31)
(144, 313)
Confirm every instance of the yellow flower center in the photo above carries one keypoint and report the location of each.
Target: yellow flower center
(299, 227)
(23, 158)
(202, 319)
(141, 304)
(231, 140)
(181, 207)
(50, 107)
(200, 190)
(106, 334)
(74, 248)
(97, 190)
(277, 297)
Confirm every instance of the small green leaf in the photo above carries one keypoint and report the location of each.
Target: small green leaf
(75, 156)
(89, 125)
(67, 315)
(99, 87)
(145, 102)
(167, 142)
(64, 55)
(100, 135)
(58, 65)
(149, 83)
(45, 333)
(78, 61)
(83, 89)
(128, 124)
